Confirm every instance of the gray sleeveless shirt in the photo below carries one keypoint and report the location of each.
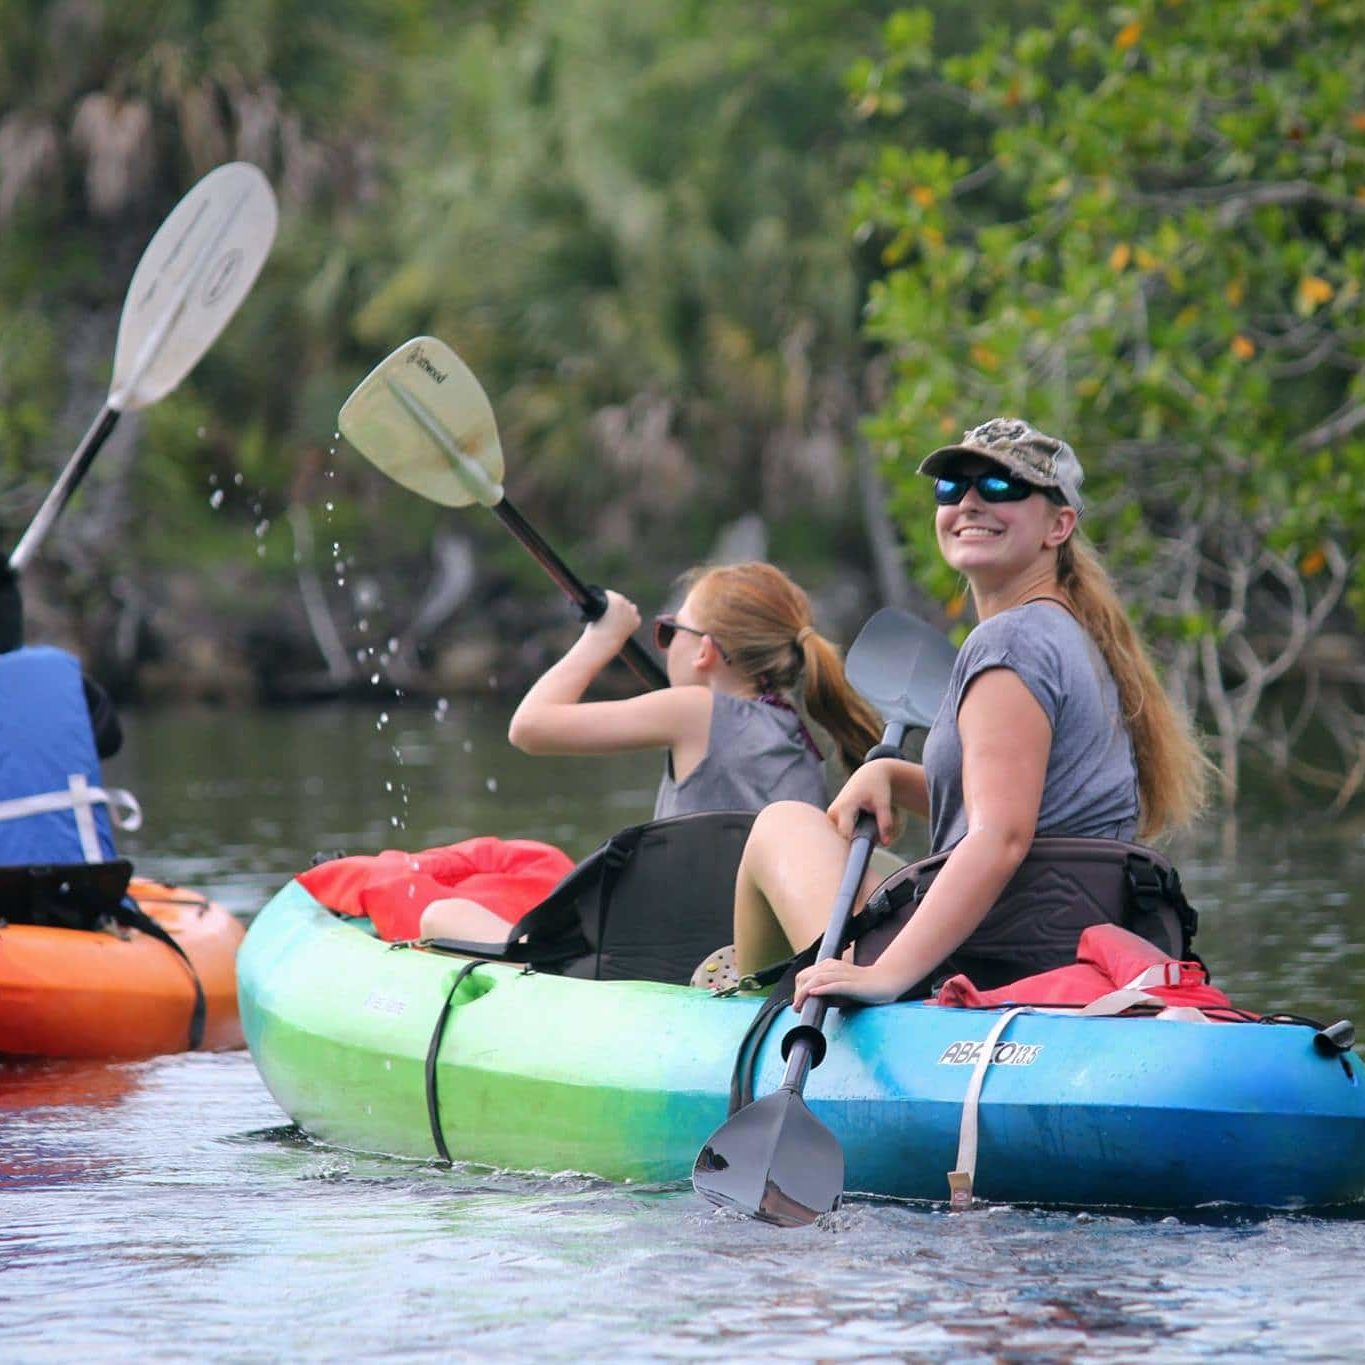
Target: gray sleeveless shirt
(756, 754)
(1090, 788)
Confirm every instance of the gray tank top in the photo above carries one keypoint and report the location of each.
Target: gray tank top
(1090, 789)
(757, 753)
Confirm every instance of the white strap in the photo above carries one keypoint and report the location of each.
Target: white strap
(85, 818)
(79, 798)
(1117, 1002)
(960, 1180)
(1159, 974)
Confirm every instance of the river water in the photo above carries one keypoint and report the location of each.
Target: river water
(165, 1209)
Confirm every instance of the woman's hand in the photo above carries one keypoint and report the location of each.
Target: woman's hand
(873, 985)
(614, 627)
(870, 788)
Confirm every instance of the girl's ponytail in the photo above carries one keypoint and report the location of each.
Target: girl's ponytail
(832, 702)
(763, 620)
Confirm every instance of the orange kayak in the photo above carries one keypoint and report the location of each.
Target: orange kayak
(80, 993)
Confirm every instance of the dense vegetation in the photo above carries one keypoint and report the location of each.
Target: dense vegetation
(688, 248)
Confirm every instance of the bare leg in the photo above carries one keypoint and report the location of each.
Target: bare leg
(792, 865)
(457, 918)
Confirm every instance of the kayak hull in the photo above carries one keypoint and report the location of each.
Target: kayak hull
(76, 993)
(627, 1080)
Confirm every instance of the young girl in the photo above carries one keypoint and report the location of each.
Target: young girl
(741, 642)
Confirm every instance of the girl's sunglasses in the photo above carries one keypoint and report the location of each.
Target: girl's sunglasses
(666, 628)
(951, 489)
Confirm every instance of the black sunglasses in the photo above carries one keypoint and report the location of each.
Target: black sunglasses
(666, 628)
(951, 489)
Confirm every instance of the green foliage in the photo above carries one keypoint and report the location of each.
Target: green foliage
(1158, 256)
(627, 216)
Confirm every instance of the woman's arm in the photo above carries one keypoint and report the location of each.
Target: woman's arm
(552, 718)
(882, 787)
(1006, 739)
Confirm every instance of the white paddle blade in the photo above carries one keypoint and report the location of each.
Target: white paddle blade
(190, 281)
(422, 418)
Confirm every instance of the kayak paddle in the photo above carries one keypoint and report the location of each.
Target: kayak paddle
(192, 277)
(422, 418)
(773, 1159)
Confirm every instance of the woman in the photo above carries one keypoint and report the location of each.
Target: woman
(738, 647)
(1055, 723)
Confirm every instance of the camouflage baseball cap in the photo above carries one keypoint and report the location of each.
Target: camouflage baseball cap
(1023, 450)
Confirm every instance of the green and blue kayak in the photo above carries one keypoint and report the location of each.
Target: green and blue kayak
(390, 1049)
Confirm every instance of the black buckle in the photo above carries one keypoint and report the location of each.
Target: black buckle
(1146, 885)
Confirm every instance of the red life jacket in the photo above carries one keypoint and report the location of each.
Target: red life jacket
(392, 888)
(1108, 959)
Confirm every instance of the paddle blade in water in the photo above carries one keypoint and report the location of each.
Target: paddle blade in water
(422, 418)
(193, 275)
(773, 1160)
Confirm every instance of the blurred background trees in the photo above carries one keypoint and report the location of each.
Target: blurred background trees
(703, 258)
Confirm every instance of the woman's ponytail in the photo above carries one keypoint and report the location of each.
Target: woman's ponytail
(1172, 770)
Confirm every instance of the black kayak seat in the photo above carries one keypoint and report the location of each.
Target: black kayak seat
(647, 905)
(63, 895)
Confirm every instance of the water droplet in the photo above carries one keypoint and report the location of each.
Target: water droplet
(383, 717)
(238, 479)
(262, 527)
(216, 499)
(331, 507)
(442, 706)
(393, 644)
(468, 746)
(388, 786)
(491, 783)
(374, 679)
(260, 552)
(201, 432)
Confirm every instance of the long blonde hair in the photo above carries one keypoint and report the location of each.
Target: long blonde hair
(1173, 772)
(762, 620)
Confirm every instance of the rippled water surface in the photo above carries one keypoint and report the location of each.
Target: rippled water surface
(164, 1209)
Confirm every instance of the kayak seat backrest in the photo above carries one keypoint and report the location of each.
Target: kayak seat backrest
(63, 895)
(669, 899)
(647, 905)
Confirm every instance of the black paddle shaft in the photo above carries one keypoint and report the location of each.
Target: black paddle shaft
(804, 1044)
(590, 601)
(67, 483)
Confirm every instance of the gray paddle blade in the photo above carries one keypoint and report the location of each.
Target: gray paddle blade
(901, 665)
(422, 418)
(773, 1160)
(195, 272)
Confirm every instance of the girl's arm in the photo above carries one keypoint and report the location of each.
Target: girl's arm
(552, 718)
(1006, 739)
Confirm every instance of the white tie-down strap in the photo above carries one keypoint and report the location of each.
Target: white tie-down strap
(960, 1180)
(79, 798)
(1159, 974)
